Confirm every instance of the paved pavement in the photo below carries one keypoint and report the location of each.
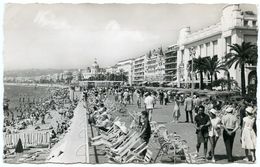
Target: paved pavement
(163, 115)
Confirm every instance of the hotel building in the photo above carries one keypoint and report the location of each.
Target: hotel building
(235, 26)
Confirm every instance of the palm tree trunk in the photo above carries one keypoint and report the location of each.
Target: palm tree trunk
(201, 80)
(216, 76)
(243, 84)
(229, 82)
(211, 81)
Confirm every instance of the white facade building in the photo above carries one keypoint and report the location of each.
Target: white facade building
(138, 70)
(125, 66)
(235, 26)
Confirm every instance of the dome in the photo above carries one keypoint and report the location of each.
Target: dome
(95, 64)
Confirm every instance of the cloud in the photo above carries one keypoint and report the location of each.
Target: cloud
(114, 32)
(50, 20)
(113, 25)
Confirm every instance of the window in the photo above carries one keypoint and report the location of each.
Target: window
(250, 38)
(182, 54)
(254, 23)
(228, 42)
(201, 50)
(245, 22)
(215, 49)
(207, 49)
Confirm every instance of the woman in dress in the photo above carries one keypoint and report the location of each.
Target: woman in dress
(248, 135)
(138, 96)
(214, 132)
(176, 110)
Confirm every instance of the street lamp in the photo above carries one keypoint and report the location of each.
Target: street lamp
(192, 54)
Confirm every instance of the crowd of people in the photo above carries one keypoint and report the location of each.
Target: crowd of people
(118, 139)
(211, 116)
(30, 115)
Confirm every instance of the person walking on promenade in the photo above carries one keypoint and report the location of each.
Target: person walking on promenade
(248, 135)
(154, 97)
(197, 103)
(230, 125)
(138, 97)
(161, 97)
(165, 96)
(148, 102)
(188, 107)
(176, 110)
(214, 132)
(125, 97)
(202, 122)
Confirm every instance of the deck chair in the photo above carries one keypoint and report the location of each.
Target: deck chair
(192, 157)
(120, 141)
(135, 153)
(132, 154)
(119, 156)
(122, 149)
(147, 158)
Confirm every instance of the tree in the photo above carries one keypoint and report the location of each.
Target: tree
(122, 77)
(223, 83)
(198, 66)
(213, 66)
(108, 76)
(69, 77)
(240, 55)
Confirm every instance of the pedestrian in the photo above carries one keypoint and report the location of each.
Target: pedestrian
(248, 135)
(154, 97)
(125, 97)
(138, 96)
(176, 110)
(214, 132)
(188, 107)
(165, 96)
(197, 103)
(202, 122)
(148, 102)
(161, 97)
(230, 125)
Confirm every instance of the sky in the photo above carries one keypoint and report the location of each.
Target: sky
(65, 36)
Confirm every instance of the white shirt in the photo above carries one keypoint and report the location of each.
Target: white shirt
(149, 101)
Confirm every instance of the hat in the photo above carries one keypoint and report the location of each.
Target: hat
(117, 123)
(230, 109)
(123, 129)
(213, 111)
(249, 110)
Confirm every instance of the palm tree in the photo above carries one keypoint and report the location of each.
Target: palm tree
(198, 66)
(224, 68)
(213, 66)
(240, 55)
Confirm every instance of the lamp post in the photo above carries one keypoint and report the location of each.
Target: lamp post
(192, 54)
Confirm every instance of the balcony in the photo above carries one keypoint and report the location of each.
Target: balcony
(171, 62)
(172, 68)
(137, 68)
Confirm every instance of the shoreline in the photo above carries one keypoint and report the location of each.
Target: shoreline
(33, 84)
